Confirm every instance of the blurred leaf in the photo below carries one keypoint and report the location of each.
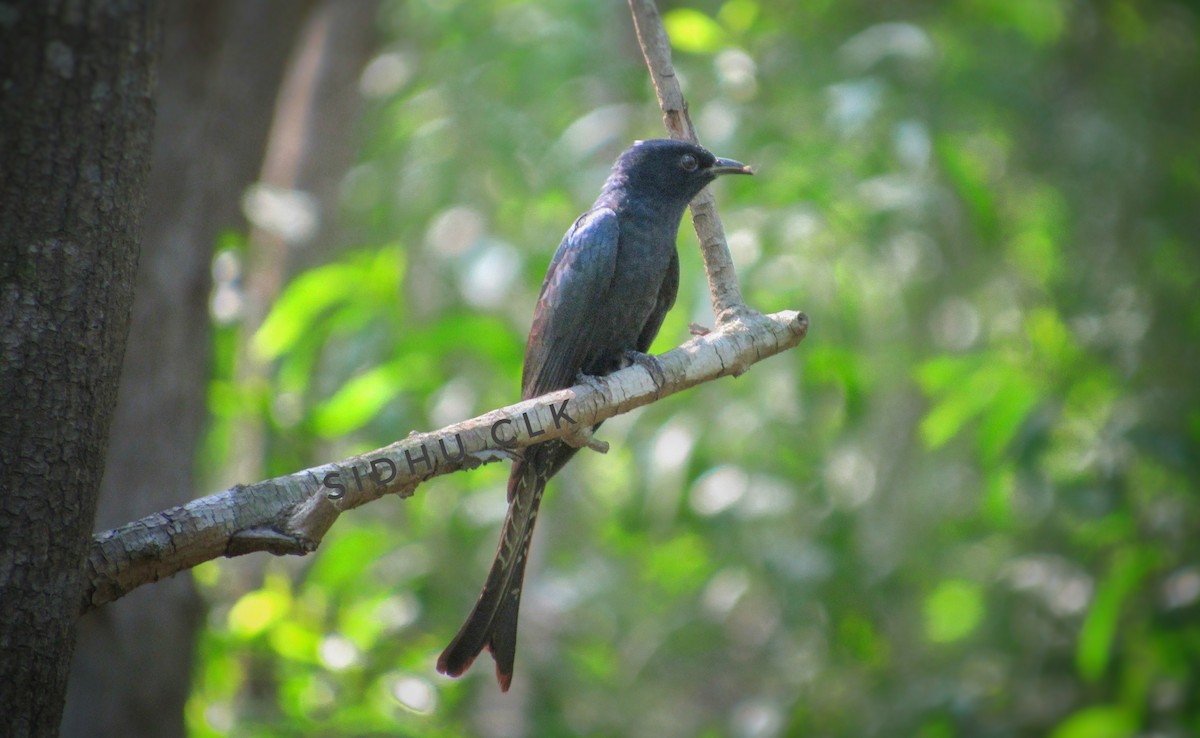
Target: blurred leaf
(1003, 416)
(963, 388)
(691, 30)
(256, 611)
(678, 565)
(839, 366)
(295, 642)
(738, 15)
(998, 497)
(970, 171)
(302, 301)
(953, 610)
(1098, 722)
(360, 399)
(1094, 651)
(1041, 21)
(1050, 337)
(346, 553)
(1040, 215)
(861, 639)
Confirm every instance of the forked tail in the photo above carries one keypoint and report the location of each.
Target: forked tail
(492, 623)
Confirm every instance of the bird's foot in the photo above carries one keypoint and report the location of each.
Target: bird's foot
(698, 330)
(651, 363)
(583, 436)
(590, 380)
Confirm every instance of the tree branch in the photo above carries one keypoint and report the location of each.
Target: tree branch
(290, 514)
(723, 286)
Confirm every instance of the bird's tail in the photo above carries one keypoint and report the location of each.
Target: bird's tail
(492, 624)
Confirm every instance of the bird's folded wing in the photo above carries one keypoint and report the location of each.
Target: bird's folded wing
(563, 331)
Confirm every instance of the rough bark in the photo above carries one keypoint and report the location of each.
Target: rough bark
(76, 119)
(222, 64)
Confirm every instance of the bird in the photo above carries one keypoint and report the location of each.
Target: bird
(603, 299)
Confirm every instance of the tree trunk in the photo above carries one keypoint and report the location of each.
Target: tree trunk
(76, 117)
(222, 66)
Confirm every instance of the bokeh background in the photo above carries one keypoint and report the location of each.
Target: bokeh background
(966, 505)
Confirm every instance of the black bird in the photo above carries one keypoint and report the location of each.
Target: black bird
(606, 292)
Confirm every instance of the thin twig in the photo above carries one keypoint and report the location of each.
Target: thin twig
(723, 286)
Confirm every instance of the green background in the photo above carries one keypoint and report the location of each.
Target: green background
(966, 505)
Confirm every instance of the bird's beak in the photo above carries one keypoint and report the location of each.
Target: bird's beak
(729, 166)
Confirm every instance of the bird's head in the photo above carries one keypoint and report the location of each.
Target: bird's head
(668, 170)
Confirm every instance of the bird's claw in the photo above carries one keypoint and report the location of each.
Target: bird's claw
(698, 330)
(651, 363)
(590, 380)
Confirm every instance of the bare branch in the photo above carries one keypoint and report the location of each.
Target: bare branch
(290, 514)
(723, 286)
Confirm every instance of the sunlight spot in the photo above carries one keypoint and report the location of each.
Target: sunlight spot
(853, 104)
(738, 74)
(901, 40)
(415, 694)
(385, 75)
(672, 447)
(453, 402)
(718, 490)
(850, 477)
(338, 653)
(724, 590)
(912, 143)
(489, 277)
(757, 717)
(293, 215)
(745, 247)
(955, 324)
(719, 122)
(1182, 588)
(219, 716)
(453, 231)
(399, 612)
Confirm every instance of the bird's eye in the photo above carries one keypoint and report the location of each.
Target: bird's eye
(688, 162)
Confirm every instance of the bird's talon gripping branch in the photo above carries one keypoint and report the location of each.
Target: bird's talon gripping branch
(590, 380)
(651, 363)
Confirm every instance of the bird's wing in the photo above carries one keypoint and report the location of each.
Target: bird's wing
(563, 322)
(666, 300)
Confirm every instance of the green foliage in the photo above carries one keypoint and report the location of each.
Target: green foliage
(965, 506)
(953, 610)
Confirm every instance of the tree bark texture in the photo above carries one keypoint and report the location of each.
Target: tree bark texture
(221, 69)
(76, 120)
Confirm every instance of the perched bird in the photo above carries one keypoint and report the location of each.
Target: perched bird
(606, 292)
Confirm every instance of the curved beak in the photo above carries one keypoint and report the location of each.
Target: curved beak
(729, 166)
